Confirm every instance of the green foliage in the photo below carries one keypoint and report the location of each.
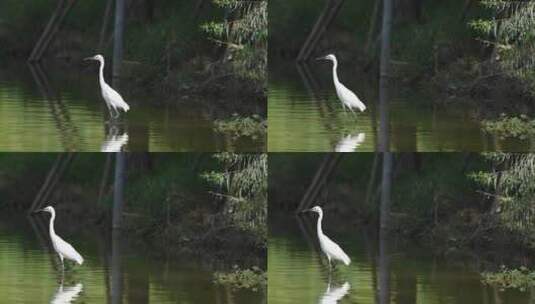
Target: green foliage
(520, 127)
(511, 29)
(511, 180)
(253, 279)
(243, 184)
(254, 127)
(245, 36)
(521, 279)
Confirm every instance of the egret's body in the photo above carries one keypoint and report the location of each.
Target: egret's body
(113, 100)
(62, 248)
(331, 250)
(348, 98)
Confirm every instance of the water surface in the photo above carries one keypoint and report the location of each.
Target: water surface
(305, 115)
(113, 271)
(380, 272)
(51, 108)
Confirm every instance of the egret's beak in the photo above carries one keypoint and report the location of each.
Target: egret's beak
(305, 210)
(321, 58)
(37, 211)
(89, 58)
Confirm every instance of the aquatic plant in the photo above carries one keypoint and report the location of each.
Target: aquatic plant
(237, 126)
(254, 278)
(510, 126)
(521, 279)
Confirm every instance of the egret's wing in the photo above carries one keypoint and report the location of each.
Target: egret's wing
(67, 250)
(347, 96)
(335, 251)
(114, 98)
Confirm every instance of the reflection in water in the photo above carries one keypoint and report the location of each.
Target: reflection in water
(57, 107)
(66, 295)
(305, 115)
(333, 295)
(391, 272)
(114, 142)
(52, 108)
(350, 143)
(113, 272)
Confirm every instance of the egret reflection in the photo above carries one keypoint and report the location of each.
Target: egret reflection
(114, 141)
(350, 143)
(66, 295)
(334, 295)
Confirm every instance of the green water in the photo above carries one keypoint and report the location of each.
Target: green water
(53, 108)
(113, 271)
(305, 115)
(380, 272)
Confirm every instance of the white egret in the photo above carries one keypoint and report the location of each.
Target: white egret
(329, 248)
(348, 98)
(113, 100)
(62, 248)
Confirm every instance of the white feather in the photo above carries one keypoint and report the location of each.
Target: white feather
(66, 250)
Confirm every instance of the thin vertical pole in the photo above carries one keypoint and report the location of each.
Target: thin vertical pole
(118, 37)
(118, 189)
(385, 38)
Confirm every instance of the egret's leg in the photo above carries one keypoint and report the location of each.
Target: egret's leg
(354, 113)
(116, 113)
(330, 266)
(109, 108)
(62, 265)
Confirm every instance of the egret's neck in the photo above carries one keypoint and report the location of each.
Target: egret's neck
(101, 73)
(51, 224)
(335, 71)
(320, 218)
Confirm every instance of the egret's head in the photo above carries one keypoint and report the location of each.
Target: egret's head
(316, 209)
(330, 57)
(48, 209)
(96, 57)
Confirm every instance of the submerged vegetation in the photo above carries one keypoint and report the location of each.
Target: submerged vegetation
(254, 278)
(521, 279)
(520, 127)
(253, 127)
